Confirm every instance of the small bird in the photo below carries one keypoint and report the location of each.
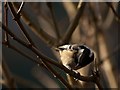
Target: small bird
(75, 56)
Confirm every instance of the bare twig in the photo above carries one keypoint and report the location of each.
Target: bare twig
(109, 55)
(40, 63)
(17, 19)
(96, 74)
(71, 11)
(33, 23)
(73, 25)
(37, 53)
(25, 44)
(20, 52)
(108, 20)
(6, 21)
(100, 39)
(102, 49)
(112, 8)
(95, 15)
(20, 8)
(66, 84)
(107, 66)
(47, 59)
(54, 20)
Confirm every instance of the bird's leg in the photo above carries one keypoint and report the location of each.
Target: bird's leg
(75, 71)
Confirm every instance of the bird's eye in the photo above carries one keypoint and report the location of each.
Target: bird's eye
(70, 47)
(75, 48)
(62, 49)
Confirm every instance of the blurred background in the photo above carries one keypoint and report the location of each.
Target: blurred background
(98, 28)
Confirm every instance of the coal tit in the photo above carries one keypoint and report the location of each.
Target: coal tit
(75, 56)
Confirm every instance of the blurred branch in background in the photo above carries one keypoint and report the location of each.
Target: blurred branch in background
(73, 24)
(8, 77)
(109, 18)
(114, 11)
(49, 4)
(102, 50)
(6, 20)
(33, 23)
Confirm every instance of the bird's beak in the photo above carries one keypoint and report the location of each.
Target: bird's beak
(57, 49)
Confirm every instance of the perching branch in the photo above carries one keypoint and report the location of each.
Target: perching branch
(62, 80)
(48, 60)
(37, 53)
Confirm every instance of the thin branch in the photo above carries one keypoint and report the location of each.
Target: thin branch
(40, 63)
(100, 38)
(113, 10)
(96, 20)
(47, 59)
(20, 8)
(17, 19)
(49, 4)
(108, 20)
(37, 53)
(24, 44)
(33, 23)
(73, 25)
(20, 52)
(6, 21)
(117, 48)
(62, 80)
(96, 74)
(42, 56)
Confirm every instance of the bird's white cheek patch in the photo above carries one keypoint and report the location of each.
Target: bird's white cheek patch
(81, 50)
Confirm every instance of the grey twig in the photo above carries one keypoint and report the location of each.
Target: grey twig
(6, 21)
(62, 80)
(117, 48)
(49, 4)
(33, 23)
(20, 8)
(40, 63)
(112, 8)
(73, 25)
(38, 54)
(20, 52)
(17, 19)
